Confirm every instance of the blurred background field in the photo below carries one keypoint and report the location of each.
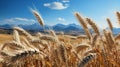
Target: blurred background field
(4, 38)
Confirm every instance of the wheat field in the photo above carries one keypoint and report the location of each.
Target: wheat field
(98, 49)
(4, 38)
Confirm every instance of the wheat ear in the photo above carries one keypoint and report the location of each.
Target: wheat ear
(29, 36)
(38, 17)
(16, 36)
(93, 25)
(83, 24)
(80, 47)
(118, 17)
(110, 24)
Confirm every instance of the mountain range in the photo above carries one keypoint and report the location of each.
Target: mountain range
(71, 29)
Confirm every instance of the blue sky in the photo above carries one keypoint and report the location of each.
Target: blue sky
(58, 11)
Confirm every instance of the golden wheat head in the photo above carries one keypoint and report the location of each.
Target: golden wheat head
(38, 17)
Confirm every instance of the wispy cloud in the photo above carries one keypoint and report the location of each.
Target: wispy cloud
(17, 20)
(56, 5)
(60, 19)
(65, 1)
(8, 20)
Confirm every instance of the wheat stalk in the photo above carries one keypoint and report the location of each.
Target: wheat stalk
(16, 36)
(93, 25)
(62, 54)
(29, 36)
(81, 37)
(109, 39)
(81, 47)
(52, 33)
(110, 24)
(48, 37)
(94, 39)
(83, 24)
(118, 17)
(38, 17)
(39, 34)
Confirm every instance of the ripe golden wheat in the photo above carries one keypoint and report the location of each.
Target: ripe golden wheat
(52, 50)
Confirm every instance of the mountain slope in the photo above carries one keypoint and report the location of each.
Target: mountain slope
(71, 29)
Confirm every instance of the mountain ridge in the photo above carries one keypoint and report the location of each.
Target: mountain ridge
(72, 29)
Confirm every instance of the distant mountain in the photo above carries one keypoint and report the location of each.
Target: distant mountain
(71, 29)
(68, 29)
(74, 25)
(6, 26)
(116, 31)
(59, 27)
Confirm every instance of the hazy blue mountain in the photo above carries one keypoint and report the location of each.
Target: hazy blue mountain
(116, 31)
(68, 29)
(6, 26)
(74, 25)
(59, 27)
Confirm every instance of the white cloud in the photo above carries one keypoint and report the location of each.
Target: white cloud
(21, 19)
(47, 4)
(60, 19)
(18, 20)
(8, 20)
(24, 19)
(65, 1)
(56, 5)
